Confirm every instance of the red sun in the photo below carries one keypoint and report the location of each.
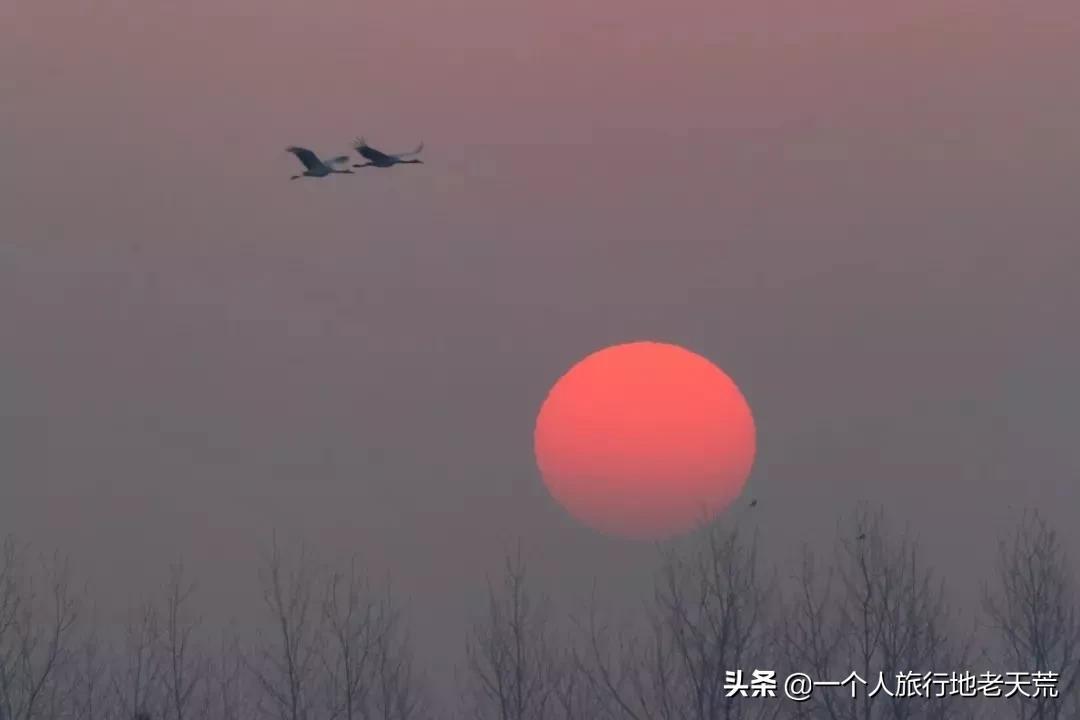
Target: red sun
(645, 440)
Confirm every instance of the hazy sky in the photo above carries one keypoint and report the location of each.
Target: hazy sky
(865, 213)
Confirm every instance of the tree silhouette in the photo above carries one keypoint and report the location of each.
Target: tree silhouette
(366, 660)
(511, 661)
(711, 615)
(37, 625)
(1032, 611)
(286, 661)
(880, 611)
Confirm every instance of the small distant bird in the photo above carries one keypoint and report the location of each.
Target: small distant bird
(314, 167)
(862, 536)
(753, 503)
(378, 159)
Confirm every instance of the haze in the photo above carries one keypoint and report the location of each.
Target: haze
(865, 215)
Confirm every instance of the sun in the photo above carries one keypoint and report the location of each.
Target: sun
(645, 440)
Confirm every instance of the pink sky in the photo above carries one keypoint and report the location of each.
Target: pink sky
(878, 196)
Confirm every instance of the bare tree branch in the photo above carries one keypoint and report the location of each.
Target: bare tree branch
(89, 699)
(513, 667)
(230, 693)
(1032, 610)
(400, 694)
(711, 615)
(35, 633)
(287, 659)
(185, 668)
(137, 686)
(881, 612)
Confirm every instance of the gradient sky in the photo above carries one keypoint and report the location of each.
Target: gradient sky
(865, 213)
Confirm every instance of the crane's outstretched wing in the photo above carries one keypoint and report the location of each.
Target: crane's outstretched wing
(338, 160)
(412, 152)
(310, 160)
(370, 153)
(360, 145)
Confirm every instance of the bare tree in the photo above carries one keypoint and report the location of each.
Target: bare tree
(351, 619)
(89, 684)
(710, 636)
(367, 662)
(1033, 614)
(36, 629)
(399, 688)
(227, 686)
(512, 663)
(576, 698)
(9, 611)
(185, 667)
(811, 639)
(137, 683)
(287, 659)
(875, 623)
